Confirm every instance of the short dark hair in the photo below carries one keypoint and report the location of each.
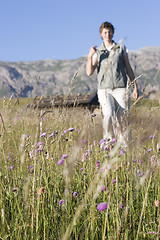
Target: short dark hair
(106, 25)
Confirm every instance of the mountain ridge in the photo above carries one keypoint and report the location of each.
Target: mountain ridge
(50, 77)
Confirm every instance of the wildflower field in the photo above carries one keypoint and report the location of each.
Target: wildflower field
(60, 180)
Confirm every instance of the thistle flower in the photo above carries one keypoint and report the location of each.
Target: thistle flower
(135, 160)
(102, 206)
(74, 194)
(139, 174)
(103, 188)
(61, 161)
(114, 140)
(65, 131)
(64, 156)
(114, 180)
(140, 162)
(51, 135)
(102, 141)
(11, 167)
(40, 148)
(151, 136)
(39, 144)
(104, 168)
(150, 150)
(152, 232)
(70, 129)
(43, 134)
(62, 201)
(121, 206)
(31, 168)
(121, 152)
(98, 165)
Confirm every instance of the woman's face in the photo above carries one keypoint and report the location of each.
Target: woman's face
(107, 34)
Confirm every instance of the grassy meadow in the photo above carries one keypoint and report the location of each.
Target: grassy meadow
(59, 181)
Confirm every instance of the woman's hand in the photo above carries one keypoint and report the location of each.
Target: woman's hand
(135, 94)
(92, 51)
(91, 61)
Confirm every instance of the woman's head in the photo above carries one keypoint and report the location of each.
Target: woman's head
(106, 31)
(106, 25)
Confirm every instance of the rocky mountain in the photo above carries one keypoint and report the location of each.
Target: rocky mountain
(51, 77)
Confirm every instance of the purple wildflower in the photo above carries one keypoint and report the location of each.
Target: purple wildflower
(139, 174)
(107, 149)
(40, 148)
(150, 150)
(11, 167)
(61, 161)
(103, 188)
(104, 168)
(64, 156)
(39, 144)
(51, 135)
(43, 134)
(62, 201)
(114, 140)
(135, 160)
(31, 168)
(74, 194)
(98, 165)
(114, 180)
(70, 129)
(121, 152)
(81, 169)
(102, 141)
(121, 206)
(140, 162)
(65, 131)
(102, 206)
(151, 136)
(152, 232)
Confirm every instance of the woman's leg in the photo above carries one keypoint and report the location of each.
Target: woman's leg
(108, 108)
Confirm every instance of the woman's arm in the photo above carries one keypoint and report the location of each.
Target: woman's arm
(131, 75)
(91, 62)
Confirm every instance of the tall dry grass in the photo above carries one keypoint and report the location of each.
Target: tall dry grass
(54, 174)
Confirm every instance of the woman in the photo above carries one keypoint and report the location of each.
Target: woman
(112, 63)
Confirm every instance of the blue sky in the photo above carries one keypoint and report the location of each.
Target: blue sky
(66, 29)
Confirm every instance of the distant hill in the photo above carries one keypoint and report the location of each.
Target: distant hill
(51, 77)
